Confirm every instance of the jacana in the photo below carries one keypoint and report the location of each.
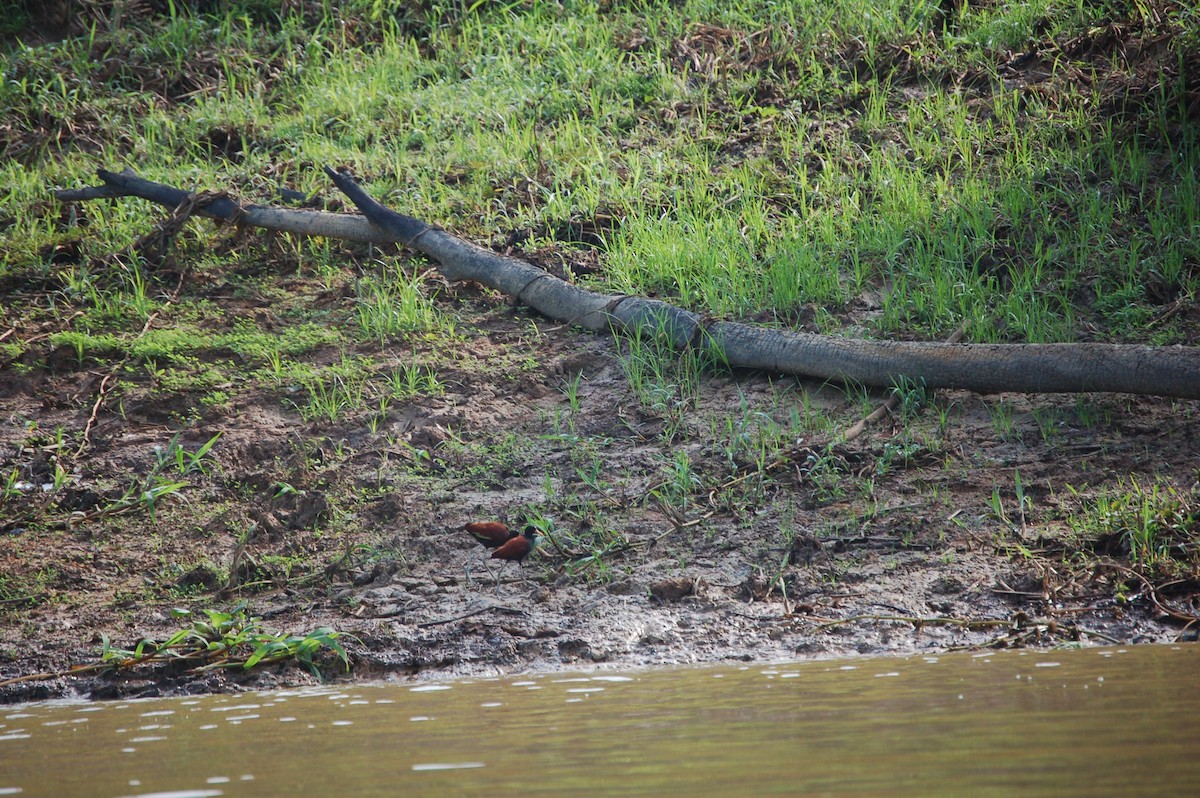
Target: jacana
(509, 544)
(517, 547)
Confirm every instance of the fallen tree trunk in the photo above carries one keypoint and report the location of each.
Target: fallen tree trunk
(984, 368)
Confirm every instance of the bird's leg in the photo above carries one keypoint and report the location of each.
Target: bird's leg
(487, 566)
(498, 573)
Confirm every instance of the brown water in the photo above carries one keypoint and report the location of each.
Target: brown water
(1089, 722)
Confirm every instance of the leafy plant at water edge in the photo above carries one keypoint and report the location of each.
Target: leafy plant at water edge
(230, 639)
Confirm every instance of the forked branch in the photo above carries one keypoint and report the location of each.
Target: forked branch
(986, 368)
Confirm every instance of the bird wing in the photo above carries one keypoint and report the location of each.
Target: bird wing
(490, 533)
(515, 549)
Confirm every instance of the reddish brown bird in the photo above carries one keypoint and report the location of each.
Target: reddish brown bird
(509, 544)
(491, 534)
(518, 546)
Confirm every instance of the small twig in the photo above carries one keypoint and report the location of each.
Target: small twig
(1069, 610)
(479, 611)
(1021, 593)
(768, 618)
(41, 677)
(121, 506)
(893, 400)
(860, 426)
(696, 521)
(75, 670)
(91, 422)
(1097, 635)
(21, 599)
(1155, 599)
(105, 386)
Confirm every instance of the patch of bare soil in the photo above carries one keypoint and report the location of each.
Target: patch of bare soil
(892, 543)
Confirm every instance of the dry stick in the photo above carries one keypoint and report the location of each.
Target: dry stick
(472, 613)
(965, 622)
(105, 384)
(91, 422)
(1152, 591)
(32, 598)
(74, 670)
(40, 677)
(764, 618)
(124, 665)
(120, 507)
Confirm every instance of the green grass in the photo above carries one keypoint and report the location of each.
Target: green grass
(394, 304)
(839, 149)
(1153, 524)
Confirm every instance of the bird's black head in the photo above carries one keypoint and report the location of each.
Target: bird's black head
(531, 531)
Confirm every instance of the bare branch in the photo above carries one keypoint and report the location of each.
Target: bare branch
(984, 368)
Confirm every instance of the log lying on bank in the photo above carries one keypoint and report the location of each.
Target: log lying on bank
(985, 368)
